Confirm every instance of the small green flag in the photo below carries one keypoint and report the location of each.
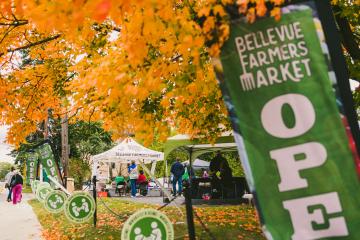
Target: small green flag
(31, 166)
(47, 159)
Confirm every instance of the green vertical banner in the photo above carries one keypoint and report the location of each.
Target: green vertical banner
(31, 166)
(47, 160)
(281, 92)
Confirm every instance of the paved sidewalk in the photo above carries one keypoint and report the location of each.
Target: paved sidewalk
(18, 222)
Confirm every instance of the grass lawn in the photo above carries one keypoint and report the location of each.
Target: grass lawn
(225, 222)
(27, 189)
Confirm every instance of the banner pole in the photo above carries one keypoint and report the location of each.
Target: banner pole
(188, 204)
(57, 184)
(46, 136)
(41, 173)
(339, 64)
(65, 147)
(94, 195)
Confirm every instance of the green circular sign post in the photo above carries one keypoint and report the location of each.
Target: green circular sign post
(79, 207)
(55, 201)
(42, 191)
(148, 224)
(34, 185)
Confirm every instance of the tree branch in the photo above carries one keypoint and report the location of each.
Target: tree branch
(348, 38)
(8, 30)
(14, 23)
(31, 44)
(117, 29)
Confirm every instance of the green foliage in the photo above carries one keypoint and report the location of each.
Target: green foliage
(4, 169)
(85, 139)
(88, 138)
(233, 160)
(356, 96)
(160, 166)
(80, 170)
(354, 67)
(350, 11)
(235, 164)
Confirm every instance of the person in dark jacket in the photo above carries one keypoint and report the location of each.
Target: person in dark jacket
(216, 162)
(8, 178)
(221, 175)
(16, 184)
(177, 169)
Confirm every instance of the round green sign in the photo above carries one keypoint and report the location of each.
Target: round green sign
(34, 185)
(42, 191)
(79, 207)
(148, 224)
(55, 201)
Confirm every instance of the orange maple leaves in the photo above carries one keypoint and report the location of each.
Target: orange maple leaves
(139, 66)
(259, 9)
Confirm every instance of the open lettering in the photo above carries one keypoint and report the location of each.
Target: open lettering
(312, 155)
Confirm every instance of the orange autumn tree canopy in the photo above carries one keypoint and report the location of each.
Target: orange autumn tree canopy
(140, 66)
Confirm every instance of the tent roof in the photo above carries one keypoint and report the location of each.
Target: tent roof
(127, 151)
(198, 163)
(224, 143)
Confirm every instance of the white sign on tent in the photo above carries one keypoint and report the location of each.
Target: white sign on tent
(125, 152)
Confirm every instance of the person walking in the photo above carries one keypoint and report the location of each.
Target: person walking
(133, 174)
(16, 184)
(178, 170)
(8, 177)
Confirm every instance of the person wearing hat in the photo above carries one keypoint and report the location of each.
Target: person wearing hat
(8, 177)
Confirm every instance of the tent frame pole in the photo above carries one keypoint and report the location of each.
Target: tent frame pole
(188, 202)
(166, 173)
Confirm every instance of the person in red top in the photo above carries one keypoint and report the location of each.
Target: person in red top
(142, 183)
(141, 178)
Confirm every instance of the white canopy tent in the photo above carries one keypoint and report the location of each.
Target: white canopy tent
(129, 150)
(125, 152)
